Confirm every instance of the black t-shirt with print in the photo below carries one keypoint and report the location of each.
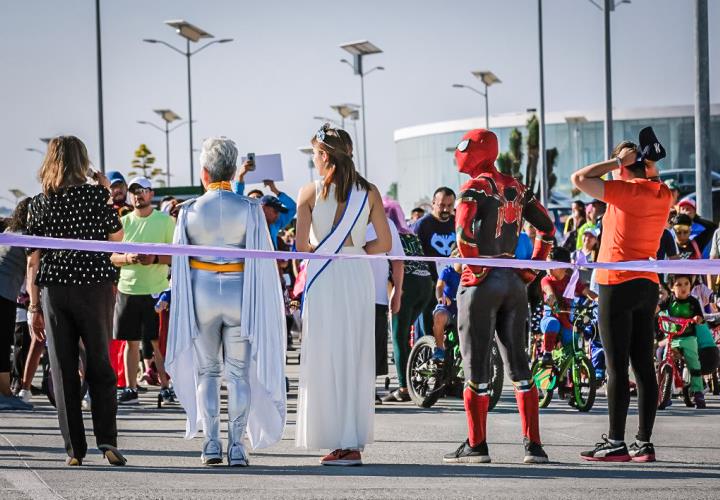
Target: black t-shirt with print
(77, 212)
(436, 238)
(412, 248)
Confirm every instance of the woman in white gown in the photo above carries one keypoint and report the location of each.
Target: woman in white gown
(336, 403)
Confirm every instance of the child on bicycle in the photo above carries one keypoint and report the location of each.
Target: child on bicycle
(446, 310)
(680, 304)
(556, 315)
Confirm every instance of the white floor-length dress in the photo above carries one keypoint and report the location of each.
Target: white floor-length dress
(336, 402)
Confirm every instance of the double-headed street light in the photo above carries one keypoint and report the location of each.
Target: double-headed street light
(168, 117)
(348, 111)
(193, 34)
(488, 78)
(358, 50)
(44, 140)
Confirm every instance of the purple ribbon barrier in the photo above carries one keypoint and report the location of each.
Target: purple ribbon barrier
(658, 266)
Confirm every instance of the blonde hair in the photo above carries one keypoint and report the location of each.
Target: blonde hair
(65, 164)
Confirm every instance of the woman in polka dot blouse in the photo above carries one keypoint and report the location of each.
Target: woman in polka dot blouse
(71, 296)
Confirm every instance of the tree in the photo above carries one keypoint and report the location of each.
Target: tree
(392, 191)
(533, 148)
(550, 157)
(509, 163)
(142, 164)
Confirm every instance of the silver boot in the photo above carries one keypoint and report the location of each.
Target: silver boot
(212, 447)
(236, 455)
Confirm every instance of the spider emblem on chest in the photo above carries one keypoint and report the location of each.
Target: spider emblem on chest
(510, 204)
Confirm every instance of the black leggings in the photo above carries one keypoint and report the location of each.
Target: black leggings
(627, 316)
(498, 304)
(7, 332)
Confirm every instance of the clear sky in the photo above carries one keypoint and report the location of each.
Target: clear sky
(283, 68)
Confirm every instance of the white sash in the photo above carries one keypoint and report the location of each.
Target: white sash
(334, 241)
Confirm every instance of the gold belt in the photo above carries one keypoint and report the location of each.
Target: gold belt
(232, 267)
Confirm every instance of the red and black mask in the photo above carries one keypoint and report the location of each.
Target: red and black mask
(477, 152)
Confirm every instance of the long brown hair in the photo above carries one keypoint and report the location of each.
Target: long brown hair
(65, 164)
(344, 175)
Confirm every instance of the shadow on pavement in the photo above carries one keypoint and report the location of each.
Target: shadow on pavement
(656, 471)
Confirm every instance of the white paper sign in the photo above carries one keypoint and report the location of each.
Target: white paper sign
(266, 167)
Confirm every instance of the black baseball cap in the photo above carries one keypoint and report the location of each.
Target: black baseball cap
(273, 202)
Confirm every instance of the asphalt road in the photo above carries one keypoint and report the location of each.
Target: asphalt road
(404, 462)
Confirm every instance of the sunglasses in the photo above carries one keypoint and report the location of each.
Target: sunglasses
(140, 191)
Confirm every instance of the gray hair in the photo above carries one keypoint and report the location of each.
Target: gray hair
(219, 158)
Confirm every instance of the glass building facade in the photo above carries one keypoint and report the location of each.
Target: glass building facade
(425, 153)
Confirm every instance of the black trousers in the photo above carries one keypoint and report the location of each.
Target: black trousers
(21, 349)
(498, 304)
(74, 313)
(381, 339)
(7, 332)
(627, 330)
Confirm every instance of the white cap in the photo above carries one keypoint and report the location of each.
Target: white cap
(143, 182)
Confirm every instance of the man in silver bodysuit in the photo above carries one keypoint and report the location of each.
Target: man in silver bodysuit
(218, 314)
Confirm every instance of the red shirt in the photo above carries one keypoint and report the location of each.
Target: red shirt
(558, 288)
(632, 226)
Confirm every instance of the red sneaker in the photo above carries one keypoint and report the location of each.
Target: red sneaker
(342, 457)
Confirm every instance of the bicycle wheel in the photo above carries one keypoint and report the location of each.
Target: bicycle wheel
(583, 378)
(665, 382)
(497, 376)
(545, 380)
(424, 376)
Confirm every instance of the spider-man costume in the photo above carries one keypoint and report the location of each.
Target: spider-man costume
(489, 217)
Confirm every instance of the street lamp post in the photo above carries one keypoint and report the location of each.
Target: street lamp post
(488, 78)
(351, 111)
(168, 117)
(358, 50)
(703, 186)
(193, 34)
(309, 152)
(345, 111)
(101, 119)
(607, 7)
(542, 157)
(44, 140)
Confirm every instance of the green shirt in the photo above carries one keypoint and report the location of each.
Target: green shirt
(136, 279)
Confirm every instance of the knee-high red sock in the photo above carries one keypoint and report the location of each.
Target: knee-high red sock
(526, 395)
(476, 410)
